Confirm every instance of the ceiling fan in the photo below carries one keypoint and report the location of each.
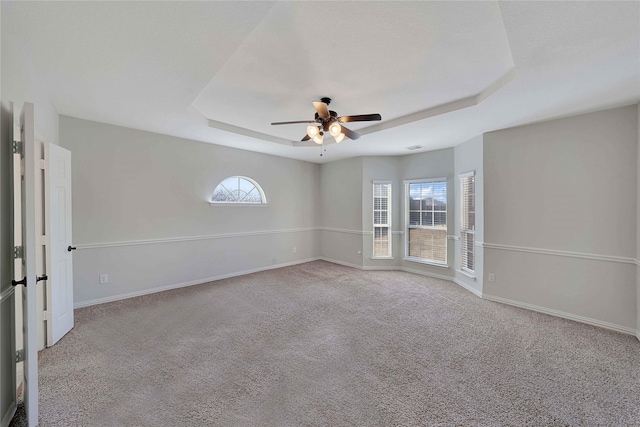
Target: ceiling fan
(329, 121)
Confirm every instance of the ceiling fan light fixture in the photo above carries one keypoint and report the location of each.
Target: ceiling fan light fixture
(318, 138)
(339, 137)
(335, 129)
(313, 131)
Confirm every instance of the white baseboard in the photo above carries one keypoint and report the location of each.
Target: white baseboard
(388, 268)
(186, 284)
(565, 315)
(346, 264)
(589, 321)
(468, 287)
(426, 273)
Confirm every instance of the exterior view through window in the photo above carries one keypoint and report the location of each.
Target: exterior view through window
(467, 222)
(426, 221)
(381, 219)
(238, 189)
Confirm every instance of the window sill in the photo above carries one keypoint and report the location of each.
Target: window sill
(466, 273)
(420, 261)
(253, 205)
(382, 257)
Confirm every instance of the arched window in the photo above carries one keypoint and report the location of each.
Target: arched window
(238, 190)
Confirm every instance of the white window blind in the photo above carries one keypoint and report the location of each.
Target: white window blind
(381, 219)
(467, 222)
(426, 221)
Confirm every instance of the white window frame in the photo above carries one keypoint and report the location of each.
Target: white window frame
(472, 232)
(387, 225)
(407, 222)
(263, 197)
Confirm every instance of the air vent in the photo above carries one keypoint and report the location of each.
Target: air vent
(415, 147)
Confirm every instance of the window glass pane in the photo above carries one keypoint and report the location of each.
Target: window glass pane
(414, 218)
(427, 218)
(237, 189)
(467, 223)
(381, 216)
(426, 236)
(427, 204)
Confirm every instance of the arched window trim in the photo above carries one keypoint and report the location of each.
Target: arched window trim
(263, 197)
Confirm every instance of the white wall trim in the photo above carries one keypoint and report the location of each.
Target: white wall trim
(597, 257)
(467, 287)
(343, 230)
(188, 283)
(11, 411)
(565, 315)
(7, 293)
(192, 238)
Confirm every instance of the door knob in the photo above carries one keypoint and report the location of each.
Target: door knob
(19, 282)
(71, 248)
(39, 278)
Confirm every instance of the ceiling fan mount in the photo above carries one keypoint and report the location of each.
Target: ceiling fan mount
(326, 119)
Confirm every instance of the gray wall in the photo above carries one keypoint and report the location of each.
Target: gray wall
(347, 203)
(469, 158)
(341, 211)
(560, 216)
(141, 211)
(638, 233)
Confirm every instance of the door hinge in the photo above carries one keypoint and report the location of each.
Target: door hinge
(47, 315)
(18, 252)
(43, 239)
(43, 164)
(17, 147)
(20, 356)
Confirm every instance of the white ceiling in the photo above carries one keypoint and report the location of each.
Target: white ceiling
(439, 73)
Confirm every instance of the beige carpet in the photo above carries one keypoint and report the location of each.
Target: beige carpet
(326, 345)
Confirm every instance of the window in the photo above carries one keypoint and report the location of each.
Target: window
(238, 190)
(426, 221)
(468, 222)
(381, 219)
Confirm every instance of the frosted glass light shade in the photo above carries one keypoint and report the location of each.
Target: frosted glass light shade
(313, 131)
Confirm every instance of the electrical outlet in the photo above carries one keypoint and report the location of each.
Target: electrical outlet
(104, 278)
(294, 249)
(492, 277)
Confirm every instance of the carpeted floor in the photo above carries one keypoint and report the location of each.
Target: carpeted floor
(327, 345)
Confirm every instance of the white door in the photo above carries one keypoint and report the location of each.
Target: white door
(60, 290)
(8, 385)
(25, 265)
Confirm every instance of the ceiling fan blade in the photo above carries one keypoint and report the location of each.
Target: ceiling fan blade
(349, 133)
(322, 109)
(360, 118)
(290, 123)
(306, 138)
